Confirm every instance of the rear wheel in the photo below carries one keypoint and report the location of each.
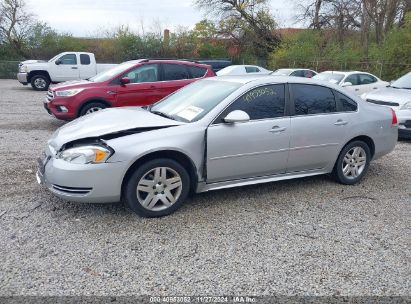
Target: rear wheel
(92, 107)
(352, 163)
(157, 188)
(40, 82)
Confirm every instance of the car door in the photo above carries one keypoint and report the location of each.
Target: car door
(174, 77)
(258, 147)
(317, 128)
(142, 89)
(66, 68)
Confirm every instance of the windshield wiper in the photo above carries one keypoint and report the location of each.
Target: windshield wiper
(163, 114)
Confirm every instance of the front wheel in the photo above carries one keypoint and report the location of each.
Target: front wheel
(157, 188)
(352, 163)
(91, 108)
(40, 82)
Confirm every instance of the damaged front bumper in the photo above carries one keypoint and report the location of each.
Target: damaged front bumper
(84, 183)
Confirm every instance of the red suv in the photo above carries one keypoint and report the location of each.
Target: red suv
(132, 83)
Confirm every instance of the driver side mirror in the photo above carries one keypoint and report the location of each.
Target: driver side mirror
(58, 62)
(124, 80)
(346, 84)
(236, 116)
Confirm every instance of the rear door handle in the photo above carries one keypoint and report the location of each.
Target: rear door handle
(74, 68)
(277, 129)
(341, 122)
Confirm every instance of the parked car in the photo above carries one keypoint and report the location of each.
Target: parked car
(62, 67)
(216, 64)
(216, 133)
(354, 81)
(397, 96)
(307, 73)
(242, 69)
(133, 83)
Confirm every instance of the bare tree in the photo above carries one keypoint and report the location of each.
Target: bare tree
(241, 16)
(15, 24)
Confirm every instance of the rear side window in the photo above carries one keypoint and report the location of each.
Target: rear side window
(251, 69)
(298, 73)
(366, 79)
(175, 72)
(197, 72)
(260, 103)
(313, 99)
(84, 59)
(345, 104)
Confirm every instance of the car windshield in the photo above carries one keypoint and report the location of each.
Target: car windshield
(106, 75)
(330, 77)
(282, 72)
(402, 83)
(194, 101)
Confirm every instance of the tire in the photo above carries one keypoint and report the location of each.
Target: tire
(162, 185)
(40, 82)
(91, 108)
(352, 163)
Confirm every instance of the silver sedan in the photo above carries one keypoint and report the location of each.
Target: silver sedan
(216, 133)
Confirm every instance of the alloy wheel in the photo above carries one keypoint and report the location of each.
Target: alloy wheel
(40, 83)
(159, 188)
(354, 162)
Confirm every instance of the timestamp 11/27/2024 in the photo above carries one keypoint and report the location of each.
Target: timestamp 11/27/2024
(201, 299)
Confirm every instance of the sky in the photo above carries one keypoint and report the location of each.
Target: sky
(94, 17)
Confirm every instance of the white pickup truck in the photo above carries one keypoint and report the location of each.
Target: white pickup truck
(62, 67)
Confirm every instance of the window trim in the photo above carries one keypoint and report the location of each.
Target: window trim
(75, 56)
(163, 73)
(195, 66)
(371, 76)
(116, 80)
(337, 104)
(89, 59)
(286, 106)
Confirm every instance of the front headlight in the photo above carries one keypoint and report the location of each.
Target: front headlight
(85, 155)
(68, 93)
(406, 106)
(23, 69)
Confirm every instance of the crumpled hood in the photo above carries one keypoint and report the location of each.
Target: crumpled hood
(388, 94)
(72, 84)
(108, 121)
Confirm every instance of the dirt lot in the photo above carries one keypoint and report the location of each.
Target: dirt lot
(307, 237)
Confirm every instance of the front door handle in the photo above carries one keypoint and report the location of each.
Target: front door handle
(277, 129)
(74, 68)
(341, 122)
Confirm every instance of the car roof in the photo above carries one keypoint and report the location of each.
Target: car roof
(263, 78)
(177, 61)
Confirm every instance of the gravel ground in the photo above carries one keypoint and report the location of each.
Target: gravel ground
(301, 237)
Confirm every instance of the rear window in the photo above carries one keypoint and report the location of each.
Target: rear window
(84, 59)
(313, 99)
(197, 72)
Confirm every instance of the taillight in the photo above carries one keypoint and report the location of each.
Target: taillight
(394, 120)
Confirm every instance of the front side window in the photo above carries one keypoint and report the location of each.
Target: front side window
(143, 73)
(366, 79)
(259, 103)
(353, 78)
(84, 59)
(175, 72)
(329, 76)
(68, 59)
(312, 99)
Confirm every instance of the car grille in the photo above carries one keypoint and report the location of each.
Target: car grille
(72, 190)
(384, 103)
(50, 95)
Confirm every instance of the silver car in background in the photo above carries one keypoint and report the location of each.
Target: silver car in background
(397, 96)
(216, 133)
